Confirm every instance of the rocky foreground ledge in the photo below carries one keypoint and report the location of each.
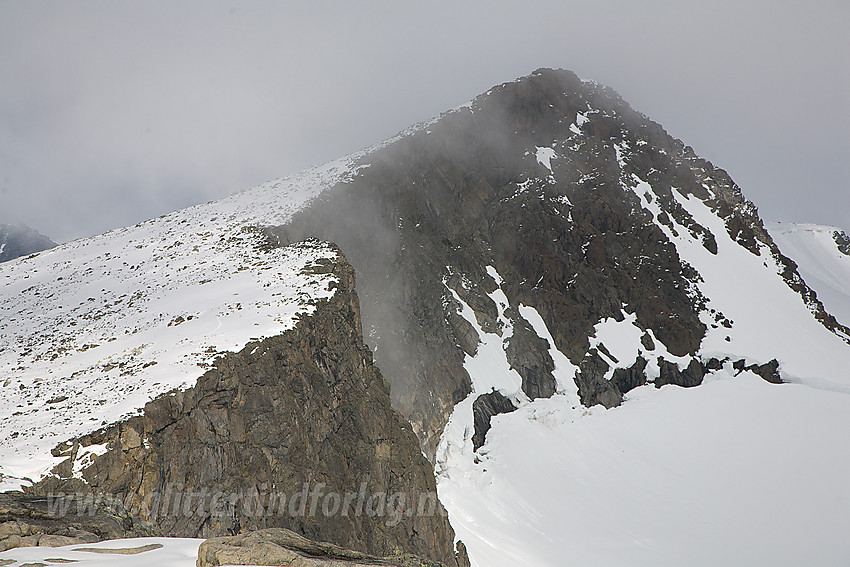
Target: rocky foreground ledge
(269, 547)
(278, 546)
(26, 521)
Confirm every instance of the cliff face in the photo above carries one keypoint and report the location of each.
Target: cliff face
(293, 431)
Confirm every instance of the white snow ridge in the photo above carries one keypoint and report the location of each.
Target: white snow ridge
(824, 267)
(94, 329)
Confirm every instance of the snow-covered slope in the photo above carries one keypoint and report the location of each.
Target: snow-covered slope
(92, 330)
(137, 552)
(769, 319)
(736, 471)
(824, 267)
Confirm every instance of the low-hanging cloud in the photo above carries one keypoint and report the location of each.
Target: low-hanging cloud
(111, 113)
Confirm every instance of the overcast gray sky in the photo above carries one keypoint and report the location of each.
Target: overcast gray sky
(115, 112)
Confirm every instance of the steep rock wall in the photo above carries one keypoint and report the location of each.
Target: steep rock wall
(304, 411)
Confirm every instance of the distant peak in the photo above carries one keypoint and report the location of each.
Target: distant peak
(20, 240)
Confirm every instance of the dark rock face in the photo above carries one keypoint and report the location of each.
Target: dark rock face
(528, 354)
(691, 376)
(433, 209)
(249, 446)
(484, 408)
(19, 240)
(593, 388)
(626, 379)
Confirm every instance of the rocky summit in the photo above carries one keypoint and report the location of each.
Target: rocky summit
(500, 336)
(576, 200)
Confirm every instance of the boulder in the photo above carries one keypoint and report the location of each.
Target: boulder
(484, 408)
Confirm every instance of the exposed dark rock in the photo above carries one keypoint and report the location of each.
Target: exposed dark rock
(691, 376)
(842, 241)
(528, 354)
(268, 426)
(463, 332)
(626, 379)
(768, 371)
(19, 240)
(277, 546)
(461, 554)
(593, 388)
(484, 408)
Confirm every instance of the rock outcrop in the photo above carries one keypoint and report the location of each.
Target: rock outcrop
(284, 547)
(27, 521)
(294, 431)
(626, 379)
(528, 354)
(691, 376)
(593, 386)
(484, 408)
(768, 371)
(842, 241)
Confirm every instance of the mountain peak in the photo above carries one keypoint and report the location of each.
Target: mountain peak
(20, 240)
(588, 211)
(520, 260)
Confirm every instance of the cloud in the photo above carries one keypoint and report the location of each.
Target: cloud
(115, 112)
